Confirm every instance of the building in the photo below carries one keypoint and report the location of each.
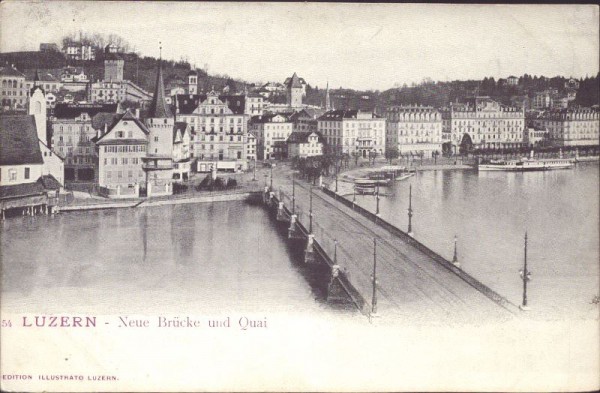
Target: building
(13, 92)
(73, 74)
(113, 64)
(182, 141)
(481, 122)
(121, 149)
(353, 132)
(21, 164)
(305, 120)
(304, 144)
(80, 51)
(535, 137)
(53, 164)
(73, 128)
(117, 91)
(254, 104)
(414, 130)
(571, 127)
(48, 47)
(218, 124)
(270, 129)
(512, 81)
(295, 91)
(160, 123)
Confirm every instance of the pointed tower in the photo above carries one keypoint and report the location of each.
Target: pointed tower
(294, 92)
(37, 107)
(160, 123)
(328, 106)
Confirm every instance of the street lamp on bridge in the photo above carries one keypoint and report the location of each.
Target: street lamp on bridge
(410, 211)
(374, 279)
(293, 193)
(525, 277)
(271, 176)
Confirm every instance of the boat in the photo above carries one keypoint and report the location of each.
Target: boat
(526, 165)
(365, 186)
(379, 178)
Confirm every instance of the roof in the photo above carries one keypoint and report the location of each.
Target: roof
(267, 118)
(22, 190)
(159, 109)
(343, 114)
(49, 182)
(179, 126)
(102, 119)
(71, 111)
(294, 82)
(125, 116)
(302, 136)
(187, 103)
(19, 143)
(11, 71)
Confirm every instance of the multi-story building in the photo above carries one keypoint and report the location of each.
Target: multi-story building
(120, 91)
(353, 131)
(269, 130)
(254, 104)
(304, 144)
(121, 150)
(571, 127)
(182, 140)
(295, 91)
(80, 51)
(218, 124)
(512, 80)
(305, 120)
(13, 90)
(483, 123)
(414, 130)
(73, 128)
(535, 137)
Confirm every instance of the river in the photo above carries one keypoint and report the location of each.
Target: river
(201, 259)
(489, 213)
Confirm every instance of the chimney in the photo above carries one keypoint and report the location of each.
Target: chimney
(137, 113)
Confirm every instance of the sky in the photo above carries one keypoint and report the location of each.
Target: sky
(360, 46)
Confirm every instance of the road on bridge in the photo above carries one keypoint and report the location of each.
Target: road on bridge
(411, 285)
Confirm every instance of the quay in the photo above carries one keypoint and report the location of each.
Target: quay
(384, 270)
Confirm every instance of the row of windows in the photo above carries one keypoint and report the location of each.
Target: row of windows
(125, 149)
(124, 161)
(12, 174)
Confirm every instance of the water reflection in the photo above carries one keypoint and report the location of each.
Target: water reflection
(489, 212)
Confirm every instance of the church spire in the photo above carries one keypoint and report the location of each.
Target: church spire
(328, 106)
(159, 109)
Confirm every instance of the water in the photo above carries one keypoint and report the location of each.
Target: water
(200, 259)
(490, 212)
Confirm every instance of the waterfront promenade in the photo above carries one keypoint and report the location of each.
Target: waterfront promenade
(411, 284)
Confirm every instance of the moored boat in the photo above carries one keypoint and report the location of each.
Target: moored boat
(525, 165)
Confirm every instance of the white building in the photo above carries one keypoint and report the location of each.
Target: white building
(483, 123)
(414, 130)
(350, 131)
(270, 129)
(304, 144)
(571, 127)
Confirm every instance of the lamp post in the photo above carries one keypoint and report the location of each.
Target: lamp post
(310, 214)
(455, 257)
(254, 171)
(377, 199)
(410, 210)
(271, 176)
(525, 276)
(293, 194)
(374, 279)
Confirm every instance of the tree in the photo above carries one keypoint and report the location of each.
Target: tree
(356, 156)
(391, 153)
(372, 156)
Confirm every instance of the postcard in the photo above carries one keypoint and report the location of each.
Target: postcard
(298, 197)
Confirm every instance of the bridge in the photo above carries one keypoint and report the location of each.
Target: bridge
(384, 270)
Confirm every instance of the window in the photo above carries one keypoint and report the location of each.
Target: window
(12, 174)
(155, 139)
